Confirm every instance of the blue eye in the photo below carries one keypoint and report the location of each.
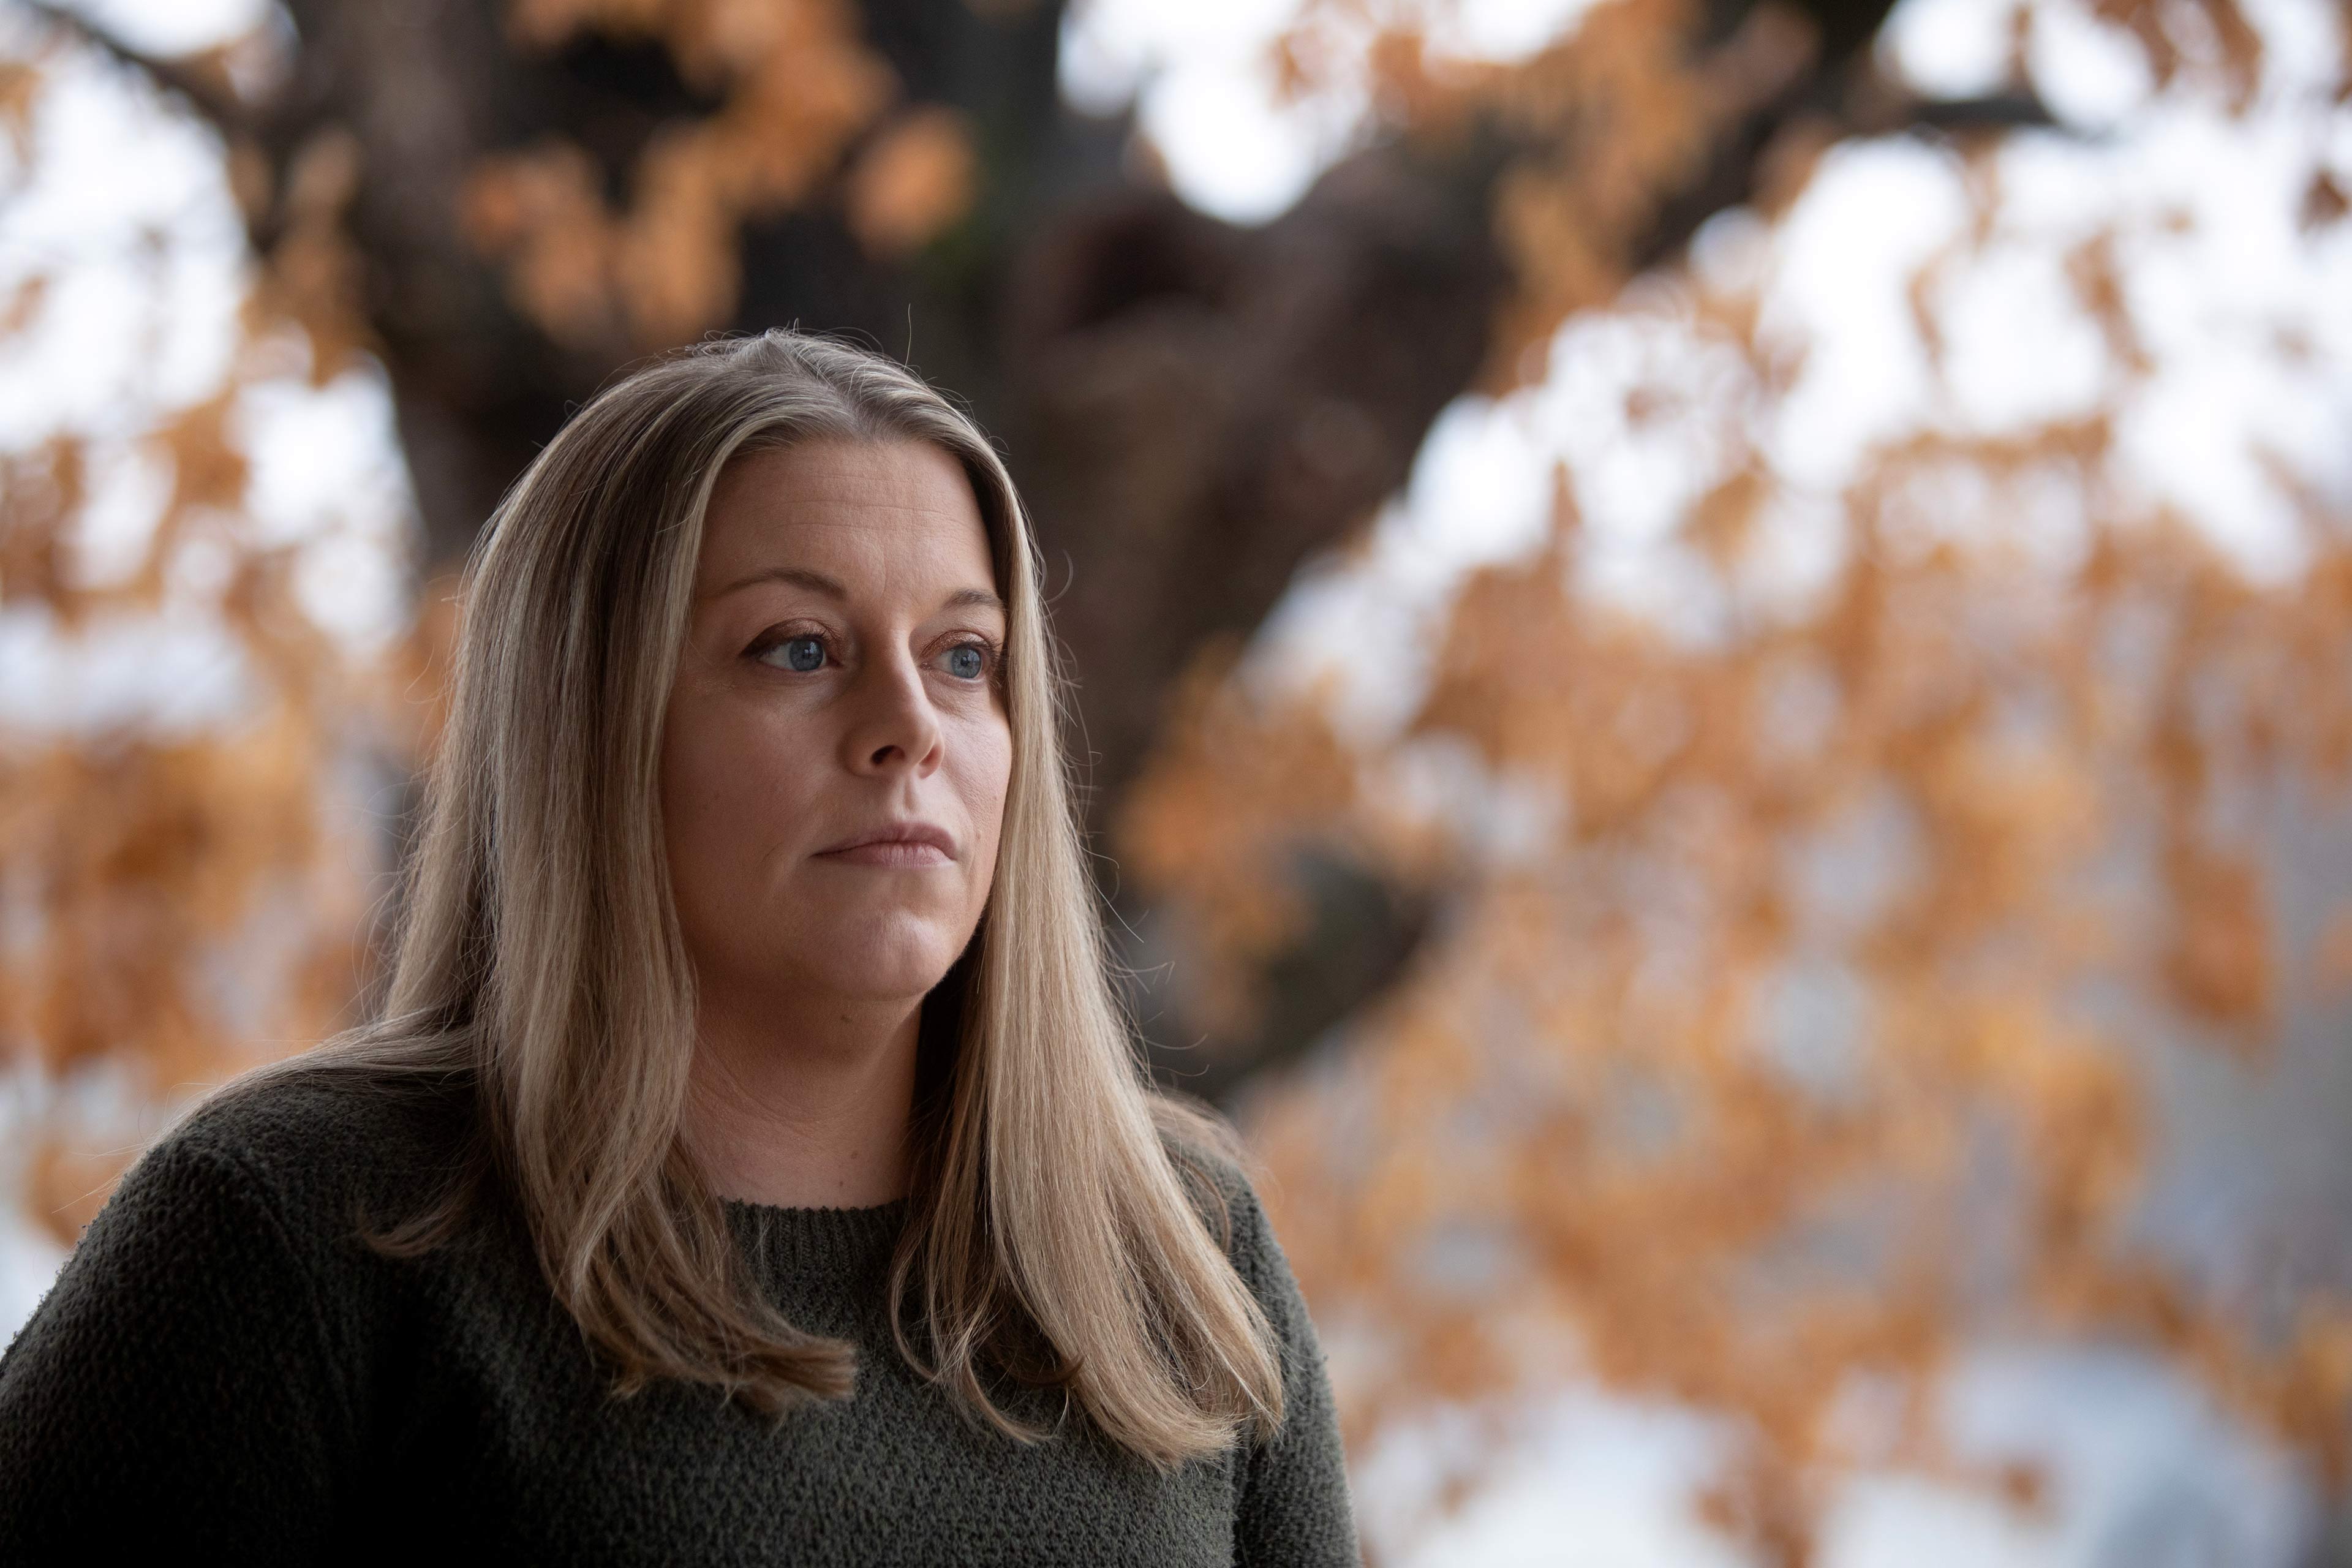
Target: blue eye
(801, 654)
(968, 661)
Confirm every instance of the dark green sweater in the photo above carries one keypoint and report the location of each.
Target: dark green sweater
(225, 1366)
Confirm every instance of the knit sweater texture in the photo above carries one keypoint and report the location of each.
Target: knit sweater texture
(225, 1366)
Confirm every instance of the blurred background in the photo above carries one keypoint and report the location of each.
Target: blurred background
(1715, 643)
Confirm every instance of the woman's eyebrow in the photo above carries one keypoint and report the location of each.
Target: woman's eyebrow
(980, 596)
(800, 576)
(830, 587)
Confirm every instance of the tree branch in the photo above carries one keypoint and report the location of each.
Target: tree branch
(206, 93)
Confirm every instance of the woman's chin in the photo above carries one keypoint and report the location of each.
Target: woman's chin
(903, 965)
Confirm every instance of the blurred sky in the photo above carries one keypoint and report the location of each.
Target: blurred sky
(129, 212)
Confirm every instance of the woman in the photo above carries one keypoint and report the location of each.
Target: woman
(749, 1164)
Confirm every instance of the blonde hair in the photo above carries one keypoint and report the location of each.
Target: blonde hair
(1059, 1207)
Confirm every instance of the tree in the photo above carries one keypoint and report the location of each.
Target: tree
(1825, 941)
(504, 202)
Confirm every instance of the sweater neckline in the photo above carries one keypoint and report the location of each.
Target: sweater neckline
(818, 1217)
(840, 1245)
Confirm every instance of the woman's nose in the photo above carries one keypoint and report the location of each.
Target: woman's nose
(894, 724)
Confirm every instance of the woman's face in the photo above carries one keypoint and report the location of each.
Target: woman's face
(839, 682)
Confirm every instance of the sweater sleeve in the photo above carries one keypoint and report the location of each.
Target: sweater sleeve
(1293, 1508)
(173, 1391)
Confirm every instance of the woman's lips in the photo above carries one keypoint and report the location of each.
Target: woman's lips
(889, 852)
(902, 841)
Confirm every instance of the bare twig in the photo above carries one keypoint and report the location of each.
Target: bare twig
(188, 75)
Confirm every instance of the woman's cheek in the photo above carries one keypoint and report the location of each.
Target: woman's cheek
(722, 772)
(987, 808)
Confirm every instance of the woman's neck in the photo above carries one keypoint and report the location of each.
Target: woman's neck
(807, 1110)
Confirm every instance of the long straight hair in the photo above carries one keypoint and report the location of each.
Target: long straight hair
(1060, 1208)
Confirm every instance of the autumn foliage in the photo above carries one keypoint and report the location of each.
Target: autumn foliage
(1812, 1026)
(796, 84)
(186, 901)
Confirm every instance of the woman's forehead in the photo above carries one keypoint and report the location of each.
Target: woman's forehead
(843, 511)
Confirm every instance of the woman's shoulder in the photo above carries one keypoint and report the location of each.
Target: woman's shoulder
(227, 1275)
(320, 1144)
